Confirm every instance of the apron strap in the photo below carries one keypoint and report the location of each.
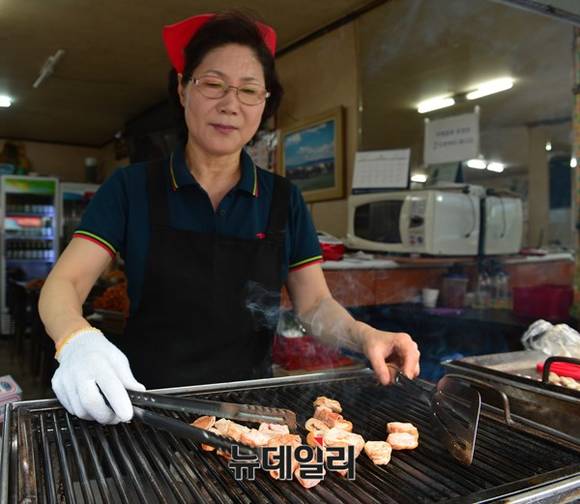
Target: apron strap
(279, 208)
(157, 188)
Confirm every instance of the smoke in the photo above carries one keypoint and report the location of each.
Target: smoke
(331, 324)
(263, 305)
(289, 326)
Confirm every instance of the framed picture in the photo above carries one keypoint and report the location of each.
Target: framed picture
(311, 156)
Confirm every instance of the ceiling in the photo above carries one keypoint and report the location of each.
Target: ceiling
(415, 50)
(115, 66)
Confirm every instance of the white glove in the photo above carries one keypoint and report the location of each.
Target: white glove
(87, 360)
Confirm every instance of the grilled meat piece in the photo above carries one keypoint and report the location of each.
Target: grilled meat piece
(255, 438)
(331, 404)
(273, 429)
(293, 440)
(315, 438)
(409, 428)
(403, 441)
(332, 419)
(336, 437)
(378, 451)
(204, 422)
(315, 425)
(232, 429)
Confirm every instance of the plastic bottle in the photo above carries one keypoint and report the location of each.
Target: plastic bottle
(493, 289)
(482, 293)
(504, 293)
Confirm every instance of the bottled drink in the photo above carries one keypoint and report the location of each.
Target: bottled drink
(482, 293)
(501, 282)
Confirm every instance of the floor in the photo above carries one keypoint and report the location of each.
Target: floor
(19, 369)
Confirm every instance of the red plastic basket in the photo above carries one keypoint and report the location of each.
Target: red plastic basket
(306, 353)
(551, 302)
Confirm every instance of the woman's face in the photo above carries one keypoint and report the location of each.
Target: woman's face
(224, 125)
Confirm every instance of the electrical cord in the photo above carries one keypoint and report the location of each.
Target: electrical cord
(504, 217)
(467, 235)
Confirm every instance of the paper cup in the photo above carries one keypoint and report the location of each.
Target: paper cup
(430, 297)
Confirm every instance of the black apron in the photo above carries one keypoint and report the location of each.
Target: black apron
(210, 303)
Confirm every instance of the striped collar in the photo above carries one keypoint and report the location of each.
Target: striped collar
(180, 176)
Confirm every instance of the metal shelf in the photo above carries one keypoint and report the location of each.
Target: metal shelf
(10, 236)
(30, 214)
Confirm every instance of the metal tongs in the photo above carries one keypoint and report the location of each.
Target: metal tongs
(232, 411)
(456, 408)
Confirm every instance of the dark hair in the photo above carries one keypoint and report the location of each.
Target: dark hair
(230, 27)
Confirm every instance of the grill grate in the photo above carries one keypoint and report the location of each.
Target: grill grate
(57, 458)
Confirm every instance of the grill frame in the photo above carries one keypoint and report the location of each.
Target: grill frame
(561, 482)
(547, 408)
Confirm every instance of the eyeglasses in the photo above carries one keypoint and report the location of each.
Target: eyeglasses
(213, 88)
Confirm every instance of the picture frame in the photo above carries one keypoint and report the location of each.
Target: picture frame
(311, 155)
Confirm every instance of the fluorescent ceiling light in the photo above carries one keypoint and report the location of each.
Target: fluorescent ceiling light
(573, 162)
(478, 164)
(48, 68)
(495, 167)
(435, 104)
(5, 101)
(491, 87)
(419, 177)
(548, 146)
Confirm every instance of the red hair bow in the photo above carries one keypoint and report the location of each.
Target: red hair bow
(177, 36)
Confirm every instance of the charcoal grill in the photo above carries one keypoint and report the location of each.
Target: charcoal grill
(50, 456)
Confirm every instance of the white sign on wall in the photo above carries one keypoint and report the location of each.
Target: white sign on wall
(452, 139)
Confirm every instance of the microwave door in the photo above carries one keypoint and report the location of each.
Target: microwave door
(404, 219)
(377, 225)
(454, 224)
(503, 225)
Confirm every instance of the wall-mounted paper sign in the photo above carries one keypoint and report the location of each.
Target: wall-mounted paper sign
(381, 169)
(452, 139)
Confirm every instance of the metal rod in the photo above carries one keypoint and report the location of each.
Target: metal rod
(64, 465)
(84, 479)
(176, 459)
(49, 476)
(137, 484)
(104, 488)
(4, 454)
(14, 462)
(143, 462)
(160, 464)
(117, 477)
(216, 487)
(27, 466)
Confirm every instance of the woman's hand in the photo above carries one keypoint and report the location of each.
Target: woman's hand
(382, 348)
(92, 369)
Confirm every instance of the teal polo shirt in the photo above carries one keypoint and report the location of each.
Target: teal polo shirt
(117, 218)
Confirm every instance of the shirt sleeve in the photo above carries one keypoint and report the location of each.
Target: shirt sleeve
(304, 245)
(104, 220)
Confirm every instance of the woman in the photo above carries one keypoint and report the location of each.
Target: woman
(208, 240)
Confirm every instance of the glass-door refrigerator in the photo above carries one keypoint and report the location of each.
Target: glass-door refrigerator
(28, 234)
(74, 198)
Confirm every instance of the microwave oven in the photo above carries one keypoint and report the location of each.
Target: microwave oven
(430, 221)
(435, 221)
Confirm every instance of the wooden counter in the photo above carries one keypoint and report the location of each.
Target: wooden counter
(403, 280)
